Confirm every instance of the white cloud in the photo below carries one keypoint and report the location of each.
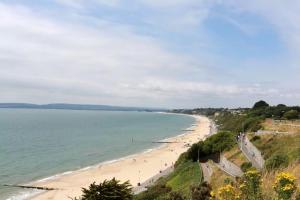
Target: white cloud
(82, 3)
(283, 15)
(46, 55)
(172, 3)
(49, 60)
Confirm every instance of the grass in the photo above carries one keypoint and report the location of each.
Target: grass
(236, 156)
(290, 126)
(268, 179)
(187, 173)
(219, 178)
(288, 145)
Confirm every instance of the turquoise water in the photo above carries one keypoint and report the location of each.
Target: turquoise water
(36, 144)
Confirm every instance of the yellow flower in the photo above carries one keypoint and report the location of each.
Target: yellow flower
(285, 176)
(288, 187)
(212, 193)
(243, 185)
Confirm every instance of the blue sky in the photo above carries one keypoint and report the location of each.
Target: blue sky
(171, 53)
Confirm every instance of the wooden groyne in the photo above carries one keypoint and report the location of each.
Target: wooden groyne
(162, 142)
(29, 187)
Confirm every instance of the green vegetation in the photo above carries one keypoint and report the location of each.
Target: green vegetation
(215, 144)
(235, 155)
(279, 150)
(236, 123)
(246, 120)
(277, 161)
(260, 104)
(159, 191)
(108, 190)
(186, 174)
(246, 166)
(186, 182)
(291, 114)
(201, 191)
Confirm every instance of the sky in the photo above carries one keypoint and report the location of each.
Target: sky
(150, 53)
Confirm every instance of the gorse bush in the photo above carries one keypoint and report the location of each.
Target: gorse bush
(285, 186)
(251, 185)
(249, 188)
(227, 192)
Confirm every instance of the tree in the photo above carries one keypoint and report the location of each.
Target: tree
(281, 106)
(108, 190)
(291, 114)
(260, 104)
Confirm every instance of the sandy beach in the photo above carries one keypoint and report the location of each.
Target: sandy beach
(136, 168)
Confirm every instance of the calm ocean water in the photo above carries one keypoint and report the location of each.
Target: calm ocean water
(36, 144)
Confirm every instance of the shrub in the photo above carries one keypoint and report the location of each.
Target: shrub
(255, 138)
(108, 190)
(201, 192)
(277, 161)
(196, 150)
(214, 144)
(228, 192)
(154, 192)
(252, 124)
(176, 196)
(291, 114)
(182, 159)
(246, 166)
(222, 141)
(285, 186)
(297, 197)
(228, 181)
(251, 185)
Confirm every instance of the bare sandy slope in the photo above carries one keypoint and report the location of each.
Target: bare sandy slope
(136, 168)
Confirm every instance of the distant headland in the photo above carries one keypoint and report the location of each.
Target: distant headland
(65, 106)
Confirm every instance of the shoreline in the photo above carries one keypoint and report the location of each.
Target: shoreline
(139, 167)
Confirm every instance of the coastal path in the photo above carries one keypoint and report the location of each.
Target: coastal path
(143, 187)
(229, 167)
(251, 153)
(207, 171)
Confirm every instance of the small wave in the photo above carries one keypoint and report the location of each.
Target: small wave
(24, 195)
(54, 176)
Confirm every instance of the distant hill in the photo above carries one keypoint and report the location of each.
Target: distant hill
(77, 107)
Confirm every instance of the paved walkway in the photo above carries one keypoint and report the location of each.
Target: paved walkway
(229, 167)
(207, 171)
(151, 181)
(251, 153)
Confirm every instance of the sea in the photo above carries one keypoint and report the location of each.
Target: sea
(37, 145)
